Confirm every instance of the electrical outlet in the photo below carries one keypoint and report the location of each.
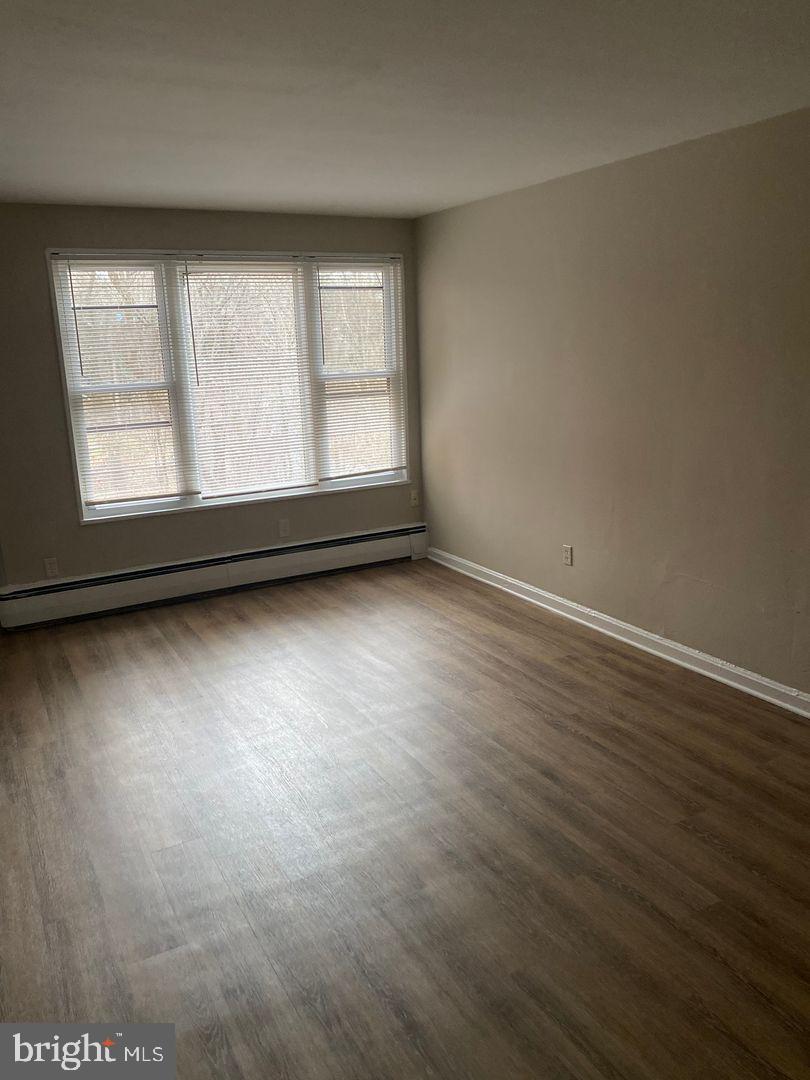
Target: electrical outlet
(51, 565)
(414, 496)
(283, 526)
(568, 555)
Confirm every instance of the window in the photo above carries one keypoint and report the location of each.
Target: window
(193, 381)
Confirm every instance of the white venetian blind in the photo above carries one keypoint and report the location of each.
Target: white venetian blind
(359, 398)
(203, 378)
(118, 369)
(251, 398)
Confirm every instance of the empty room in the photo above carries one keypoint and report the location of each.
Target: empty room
(405, 540)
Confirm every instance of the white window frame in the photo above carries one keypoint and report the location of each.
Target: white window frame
(89, 514)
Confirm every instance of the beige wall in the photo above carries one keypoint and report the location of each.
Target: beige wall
(620, 360)
(37, 497)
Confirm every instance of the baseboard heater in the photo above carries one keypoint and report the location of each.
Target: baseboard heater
(55, 600)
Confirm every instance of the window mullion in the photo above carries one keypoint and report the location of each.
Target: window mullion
(174, 319)
(320, 446)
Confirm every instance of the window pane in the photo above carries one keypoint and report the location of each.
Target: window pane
(251, 404)
(364, 430)
(111, 286)
(130, 447)
(352, 320)
(126, 409)
(131, 464)
(120, 345)
(358, 278)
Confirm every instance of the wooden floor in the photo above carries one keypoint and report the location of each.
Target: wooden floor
(396, 824)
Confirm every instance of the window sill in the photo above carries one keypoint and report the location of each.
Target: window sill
(184, 504)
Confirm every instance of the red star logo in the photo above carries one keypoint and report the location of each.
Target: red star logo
(108, 1042)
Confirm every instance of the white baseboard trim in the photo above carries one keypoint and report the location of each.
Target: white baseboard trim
(721, 670)
(51, 601)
